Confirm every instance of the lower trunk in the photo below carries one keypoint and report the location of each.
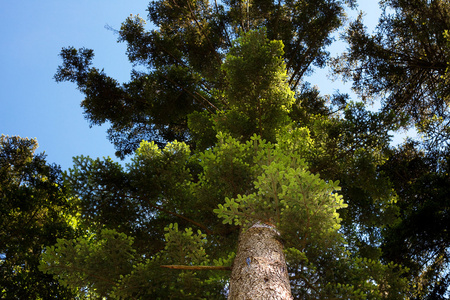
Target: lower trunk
(259, 269)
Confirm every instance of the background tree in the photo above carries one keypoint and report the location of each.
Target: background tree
(405, 60)
(405, 63)
(34, 213)
(420, 240)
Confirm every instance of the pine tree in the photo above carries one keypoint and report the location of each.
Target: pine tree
(35, 211)
(248, 203)
(404, 63)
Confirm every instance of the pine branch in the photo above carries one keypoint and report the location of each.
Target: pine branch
(183, 267)
(192, 94)
(179, 216)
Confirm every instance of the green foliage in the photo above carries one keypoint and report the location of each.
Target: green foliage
(303, 206)
(405, 64)
(304, 209)
(419, 239)
(225, 136)
(257, 92)
(345, 277)
(183, 62)
(352, 149)
(107, 265)
(201, 127)
(259, 181)
(149, 280)
(35, 210)
(185, 247)
(166, 170)
(137, 200)
(92, 263)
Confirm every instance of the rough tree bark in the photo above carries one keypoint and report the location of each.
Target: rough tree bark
(259, 269)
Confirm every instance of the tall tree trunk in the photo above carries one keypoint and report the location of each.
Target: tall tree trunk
(259, 269)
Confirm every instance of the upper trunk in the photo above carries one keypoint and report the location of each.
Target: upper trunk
(259, 269)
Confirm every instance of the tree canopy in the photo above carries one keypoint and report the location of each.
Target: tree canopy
(256, 168)
(232, 149)
(180, 63)
(405, 63)
(34, 213)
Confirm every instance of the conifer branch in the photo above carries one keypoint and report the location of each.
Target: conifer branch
(183, 267)
(179, 216)
(192, 94)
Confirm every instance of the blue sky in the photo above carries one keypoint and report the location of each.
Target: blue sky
(33, 105)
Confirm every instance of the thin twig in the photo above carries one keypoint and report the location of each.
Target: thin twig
(183, 267)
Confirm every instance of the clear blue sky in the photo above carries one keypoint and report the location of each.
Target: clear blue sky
(33, 105)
